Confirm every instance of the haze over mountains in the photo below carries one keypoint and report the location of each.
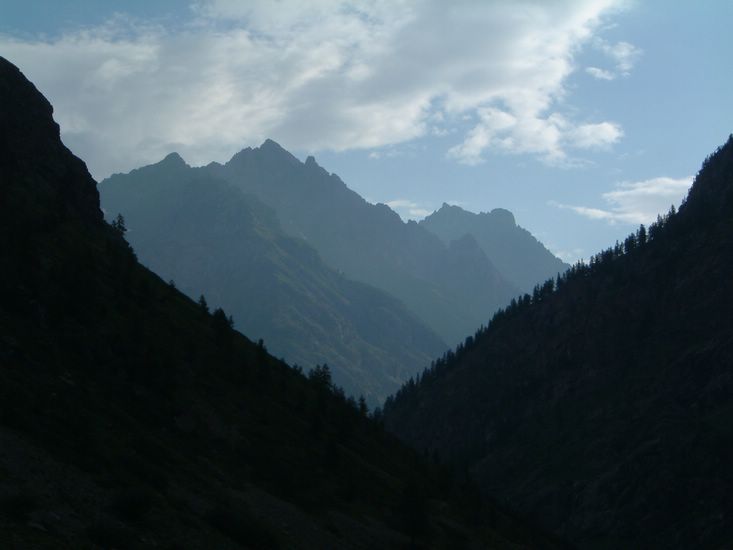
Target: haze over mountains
(250, 235)
(130, 417)
(211, 238)
(601, 406)
(519, 257)
(370, 243)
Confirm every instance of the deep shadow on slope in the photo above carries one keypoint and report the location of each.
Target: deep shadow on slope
(602, 406)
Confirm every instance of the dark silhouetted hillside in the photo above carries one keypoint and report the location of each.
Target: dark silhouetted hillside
(130, 417)
(209, 237)
(601, 406)
(370, 243)
(519, 257)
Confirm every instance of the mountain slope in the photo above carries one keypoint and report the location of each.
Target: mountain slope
(369, 243)
(213, 240)
(603, 408)
(519, 257)
(130, 418)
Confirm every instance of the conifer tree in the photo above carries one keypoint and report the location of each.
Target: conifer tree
(118, 224)
(203, 305)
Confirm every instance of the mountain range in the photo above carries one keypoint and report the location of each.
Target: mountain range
(518, 256)
(213, 239)
(133, 417)
(450, 288)
(319, 273)
(600, 406)
(595, 408)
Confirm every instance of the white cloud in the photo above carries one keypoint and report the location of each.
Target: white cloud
(600, 74)
(594, 136)
(408, 209)
(320, 75)
(636, 202)
(548, 137)
(623, 54)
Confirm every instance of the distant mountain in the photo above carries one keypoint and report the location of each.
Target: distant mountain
(602, 405)
(519, 257)
(131, 418)
(370, 243)
(186, 224)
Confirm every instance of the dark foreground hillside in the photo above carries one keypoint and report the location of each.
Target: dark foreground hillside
(132, 418)
(602, 405)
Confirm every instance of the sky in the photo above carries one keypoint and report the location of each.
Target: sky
(584, 118)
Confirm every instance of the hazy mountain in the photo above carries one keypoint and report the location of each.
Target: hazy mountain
(602, 406)
(519, 257)
(370, 243)
(132, 418)
(187, 225)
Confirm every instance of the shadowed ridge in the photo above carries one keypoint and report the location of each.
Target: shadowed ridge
(711, 193)
(31, 149)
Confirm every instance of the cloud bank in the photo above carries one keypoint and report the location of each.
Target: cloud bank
(636, 202)
(323, 76)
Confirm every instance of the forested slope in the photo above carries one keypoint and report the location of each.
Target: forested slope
(601, 406)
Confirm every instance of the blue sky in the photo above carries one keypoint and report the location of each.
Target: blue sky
(583, 117)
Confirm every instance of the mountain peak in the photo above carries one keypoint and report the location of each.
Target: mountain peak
(517, 255)
(503, 216)
(174, 159)
(450, 208)
(447, 213)
(271, 145)
(269, 150)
